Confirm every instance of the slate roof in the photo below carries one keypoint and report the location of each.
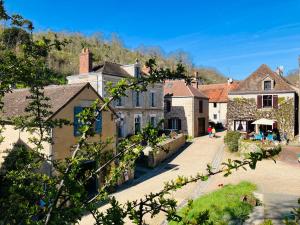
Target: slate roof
(218, 92)
(16, 101)
(253, 84)
(178, 88)
(111, 68)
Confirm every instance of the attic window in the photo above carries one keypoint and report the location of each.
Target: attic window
(267, 85)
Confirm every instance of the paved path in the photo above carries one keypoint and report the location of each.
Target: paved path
(279, 184)
(191, 160)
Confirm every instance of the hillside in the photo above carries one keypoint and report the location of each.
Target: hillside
(293, 76)
(66, 61)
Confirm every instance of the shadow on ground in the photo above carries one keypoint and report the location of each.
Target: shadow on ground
(143, 173)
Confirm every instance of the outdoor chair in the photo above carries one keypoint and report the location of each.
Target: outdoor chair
(258, 137)
(270, 137)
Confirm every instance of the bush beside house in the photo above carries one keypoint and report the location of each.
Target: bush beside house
(231, 139)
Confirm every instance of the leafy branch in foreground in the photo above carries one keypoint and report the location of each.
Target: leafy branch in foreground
(30, 197)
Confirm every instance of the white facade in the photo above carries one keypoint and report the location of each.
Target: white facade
(147, 104)
(218, 112)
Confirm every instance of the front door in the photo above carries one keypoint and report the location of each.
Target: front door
(201, 126)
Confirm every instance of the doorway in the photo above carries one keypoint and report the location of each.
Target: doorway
(201, 126)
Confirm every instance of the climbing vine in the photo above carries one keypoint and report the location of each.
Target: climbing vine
(246, 109)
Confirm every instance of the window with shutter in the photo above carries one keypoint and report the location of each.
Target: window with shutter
(76, 124)
(179, 124)
(267, 101)
(152, 99)
(98, 123)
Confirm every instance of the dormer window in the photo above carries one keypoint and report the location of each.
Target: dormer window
(267, 85)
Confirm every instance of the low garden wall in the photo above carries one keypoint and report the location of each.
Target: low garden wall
(169, 147)
(245, 146)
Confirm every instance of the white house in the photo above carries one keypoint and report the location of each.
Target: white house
(136, 110)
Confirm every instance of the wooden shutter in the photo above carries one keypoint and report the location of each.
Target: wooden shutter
(275, 101)
(169, 123)
(76, 123)
(259, 101)
(179, 124)
(98, 127)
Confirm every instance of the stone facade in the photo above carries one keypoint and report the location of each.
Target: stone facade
(285, 114)
(264, 94)
(187, 110)
(127, 108)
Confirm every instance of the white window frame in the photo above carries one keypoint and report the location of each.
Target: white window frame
(267, 78)
(141, 121)
(153, 97)
(155, 119)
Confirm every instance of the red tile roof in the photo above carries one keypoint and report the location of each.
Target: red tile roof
(218, 92)
(178, 88)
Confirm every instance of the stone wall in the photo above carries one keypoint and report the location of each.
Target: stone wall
(170, 146)
(246, 109)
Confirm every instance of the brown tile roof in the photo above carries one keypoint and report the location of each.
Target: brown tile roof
(178, 88)
(16, 101)
(253, 83)
(111, 68)
(218, 92)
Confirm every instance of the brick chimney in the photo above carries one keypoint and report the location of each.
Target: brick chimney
(195, 80)
(85, 61)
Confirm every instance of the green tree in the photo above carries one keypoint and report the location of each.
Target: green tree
(30, 197)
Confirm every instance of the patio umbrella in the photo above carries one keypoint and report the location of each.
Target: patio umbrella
(264, 122)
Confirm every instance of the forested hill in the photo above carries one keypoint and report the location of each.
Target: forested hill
(66, 61)
(293, 76)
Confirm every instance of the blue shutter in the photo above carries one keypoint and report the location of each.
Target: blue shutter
(77, 110)
(98, 129)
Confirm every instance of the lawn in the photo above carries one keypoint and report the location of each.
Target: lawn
(224, 205)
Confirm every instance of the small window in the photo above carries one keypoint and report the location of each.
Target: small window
(240, 125)
(215, 105)
(267, 101)
(174, 123)
(119, 102)
(137, 99)
(168, 105)
(97, 126)
(215, 116)
(153, 121)
(200, 106)
(267, 85)
(152, 94)
(137, 124)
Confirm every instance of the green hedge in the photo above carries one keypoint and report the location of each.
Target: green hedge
(231, 139)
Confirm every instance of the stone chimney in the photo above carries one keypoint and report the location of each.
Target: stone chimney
(85, 61)
(195, 81)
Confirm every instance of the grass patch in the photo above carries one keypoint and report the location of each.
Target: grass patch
(224, 205)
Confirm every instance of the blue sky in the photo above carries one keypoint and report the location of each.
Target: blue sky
(233, 36)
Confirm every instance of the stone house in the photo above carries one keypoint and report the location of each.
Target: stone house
(264, 94)
(135, 110)
(66, 102)
(186, 108)
(218, 100)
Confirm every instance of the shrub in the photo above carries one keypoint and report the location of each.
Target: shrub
(231, 139)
